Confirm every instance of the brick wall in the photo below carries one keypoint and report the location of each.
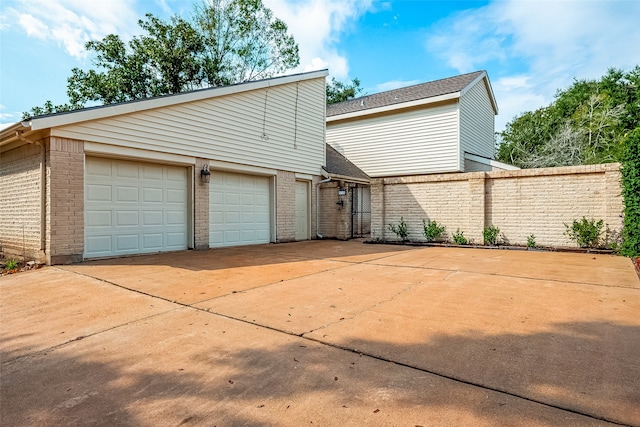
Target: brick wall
(335, 220)
(201, 208)
(520, 202)
(65, 200)
(20, 203)
(285, 206)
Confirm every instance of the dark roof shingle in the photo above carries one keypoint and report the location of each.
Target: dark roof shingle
(405, 94)
(337, 164)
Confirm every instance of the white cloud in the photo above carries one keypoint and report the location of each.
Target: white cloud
(394, 84)
(317, 26)
(71, 23)
(549, 42)
(33, 26)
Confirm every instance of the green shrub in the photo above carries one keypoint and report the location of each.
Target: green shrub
(531, 241)
(11, 264)
(400, 230)
(631, 195)
(459, 239)
(586, 233)
(490, 235)
(432, 230)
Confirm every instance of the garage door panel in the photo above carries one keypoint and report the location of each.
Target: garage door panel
(176, 196)
(126, 194)
(239, 209)
(127, 242)
(127, 170)
(126, 218)
(153, 172)
(98, 218)
(145, 208)
(152, 195)
(100, 244)
(99, 193)
(151, 218)
(152, 241)
(176, 218)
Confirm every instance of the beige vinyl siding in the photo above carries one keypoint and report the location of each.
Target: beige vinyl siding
(412, 142)
(227, 128)
(477, 123)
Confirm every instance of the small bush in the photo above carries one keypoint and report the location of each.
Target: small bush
(531, 241)
(490, 235)
(11, 264)
(586, 233)
(432, 230)
(400, 230)
(459, 239)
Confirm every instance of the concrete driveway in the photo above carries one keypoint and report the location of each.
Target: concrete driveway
(324, 333)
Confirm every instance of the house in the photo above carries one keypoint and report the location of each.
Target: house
(436, 127)
(214, 167)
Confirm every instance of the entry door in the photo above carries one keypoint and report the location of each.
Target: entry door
(360, 211)
(302, 210)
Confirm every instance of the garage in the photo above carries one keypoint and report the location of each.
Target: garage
(134, 207)
(239, 209)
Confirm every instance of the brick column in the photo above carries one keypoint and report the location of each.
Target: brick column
(614, 204)
(65, 201)
(285, 207)
(201, 207)
(377, 209)
(476, 207)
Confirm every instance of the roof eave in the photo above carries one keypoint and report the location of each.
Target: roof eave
(394, 107)
(44, 122)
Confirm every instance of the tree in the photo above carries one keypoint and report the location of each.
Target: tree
(340, 92)
(584, 125)
(243, 41)
(225, 42)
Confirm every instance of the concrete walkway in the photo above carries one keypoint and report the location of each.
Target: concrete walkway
(324, 333)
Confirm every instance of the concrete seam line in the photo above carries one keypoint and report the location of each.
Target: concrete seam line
(507, 275)
(463, 381)
(82, 337)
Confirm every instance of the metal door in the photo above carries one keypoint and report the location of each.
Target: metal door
(360, 211)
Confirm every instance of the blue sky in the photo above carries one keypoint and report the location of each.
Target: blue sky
(529, 48)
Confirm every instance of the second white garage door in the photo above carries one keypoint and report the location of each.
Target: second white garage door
(239, 207)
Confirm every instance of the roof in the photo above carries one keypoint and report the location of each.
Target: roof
(340, 166)
(433, 91)
(110, 110)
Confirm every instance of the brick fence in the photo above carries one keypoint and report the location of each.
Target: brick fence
(520, 202)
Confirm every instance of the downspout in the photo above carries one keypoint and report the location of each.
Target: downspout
(43, 193)
(318, 235)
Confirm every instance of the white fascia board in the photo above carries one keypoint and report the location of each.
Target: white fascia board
(106, 150)
(487, 84)
(240, 168)
(393, 107)
(165, 101)
(490, 162)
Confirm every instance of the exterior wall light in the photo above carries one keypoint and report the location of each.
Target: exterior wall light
(342, 192)
(205, 175)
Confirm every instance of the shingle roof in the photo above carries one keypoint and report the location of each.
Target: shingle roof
(337, 164)
(405, 94)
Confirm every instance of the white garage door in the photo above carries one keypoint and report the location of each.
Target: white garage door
(238, 209)
(133, 208)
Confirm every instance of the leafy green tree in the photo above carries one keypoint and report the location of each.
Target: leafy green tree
(243, 41)
(584, 125)
(225, 42)
(339, 92)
